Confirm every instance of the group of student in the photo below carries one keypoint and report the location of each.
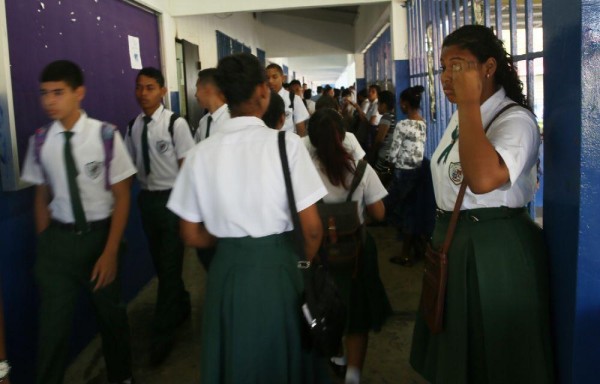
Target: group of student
(226, 196)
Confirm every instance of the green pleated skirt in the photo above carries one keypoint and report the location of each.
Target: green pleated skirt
(364, 294)
(251, 324)
(496, 325)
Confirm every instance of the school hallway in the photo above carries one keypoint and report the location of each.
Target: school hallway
(387, 356)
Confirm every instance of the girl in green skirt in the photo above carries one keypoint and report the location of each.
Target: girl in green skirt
(231, 188)
(496, 325)
(366, 300)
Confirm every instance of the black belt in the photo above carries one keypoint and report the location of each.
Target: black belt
(482, 214)
(162, 192)
(90, 226)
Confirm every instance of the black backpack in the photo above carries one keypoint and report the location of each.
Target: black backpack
(174, 118)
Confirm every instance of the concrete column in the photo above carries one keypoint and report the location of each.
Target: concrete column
(361, 82)
(572, 182)
(399, 26)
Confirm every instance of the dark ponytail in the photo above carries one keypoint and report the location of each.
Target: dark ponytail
(412, 96)
(483, 43)
(326, 133)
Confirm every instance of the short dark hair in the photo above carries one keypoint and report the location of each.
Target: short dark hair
(388, 98)
(63, 70)
(376, 87)
(237, 77)
(275, 110)
(319, 89)
(327, 102)
(207, 75)
(153, 73)
(308, 94)
(295, 82)
(275, 66)
(346, 92)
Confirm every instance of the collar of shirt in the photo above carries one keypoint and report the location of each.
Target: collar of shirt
(216, 115)
(58, 128)
(282, 92)
(157, 114)
(238, 123)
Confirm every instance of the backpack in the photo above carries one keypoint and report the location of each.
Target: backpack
(344, 235)
(174, 118)
(107, 133)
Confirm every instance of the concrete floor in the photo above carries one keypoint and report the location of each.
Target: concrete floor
(387, 357)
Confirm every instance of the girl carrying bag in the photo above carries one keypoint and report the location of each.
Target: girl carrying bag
(323, 309)
(435, 275)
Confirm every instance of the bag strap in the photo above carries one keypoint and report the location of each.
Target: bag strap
(463, 188)
(298, 236)
(107, 132)
(358, 175)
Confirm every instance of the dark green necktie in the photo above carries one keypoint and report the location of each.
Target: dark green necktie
(76, 205)
(145, 152)
(448, 149)
(208, 126)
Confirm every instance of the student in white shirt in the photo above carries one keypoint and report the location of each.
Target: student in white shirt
(210, 97)
(296, 113)
(363, 292)
(231, 192)
(82, 176)
(496, 324)
(158, 141)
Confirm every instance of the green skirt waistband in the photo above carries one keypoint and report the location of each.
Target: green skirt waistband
(258, 242)
(482, 214)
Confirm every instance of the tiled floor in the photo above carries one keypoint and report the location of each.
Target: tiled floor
(387, 358)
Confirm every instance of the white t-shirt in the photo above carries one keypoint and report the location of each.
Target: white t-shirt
(295, 116)
(369, 191)
(87, 147)
(220, 115)
(373, 111)
(234, 181)
(350, 143)
(515, 136)
(164, 150)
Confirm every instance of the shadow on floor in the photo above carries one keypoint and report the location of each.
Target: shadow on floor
(387, 357)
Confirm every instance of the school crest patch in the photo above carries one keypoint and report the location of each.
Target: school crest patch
(162, 146)
(455, 173)
(93, 169)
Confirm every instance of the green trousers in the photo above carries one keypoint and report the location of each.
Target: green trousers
(166, 247)
(63, 268)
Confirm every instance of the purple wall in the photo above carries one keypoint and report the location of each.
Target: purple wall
(92, 33)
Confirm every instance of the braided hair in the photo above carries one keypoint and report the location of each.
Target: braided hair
(483, 44)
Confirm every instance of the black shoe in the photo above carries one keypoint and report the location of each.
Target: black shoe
(159, 351)
(403, 261)
(126, 381)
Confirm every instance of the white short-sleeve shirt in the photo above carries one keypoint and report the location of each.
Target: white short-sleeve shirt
(293, 116)
(515, 136)
(369, 190)
(373, 111)
(350, 143)
(164, 150)
(87, 147)
(234, 181)
(220, 115)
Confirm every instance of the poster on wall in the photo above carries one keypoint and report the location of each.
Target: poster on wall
(134, 52)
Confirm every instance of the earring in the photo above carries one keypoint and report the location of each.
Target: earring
(487, 75)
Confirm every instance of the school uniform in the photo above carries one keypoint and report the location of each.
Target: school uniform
(66, 255)
(350, 143)
(161, 225)
(373, 111)
(293, 115)
(234, 184)
(205, 129)
(496, 327)
(365, 297)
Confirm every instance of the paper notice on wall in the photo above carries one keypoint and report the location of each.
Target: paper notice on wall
(134, 52)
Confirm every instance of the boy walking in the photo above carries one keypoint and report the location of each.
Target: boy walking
(158, 141)
(82, 174)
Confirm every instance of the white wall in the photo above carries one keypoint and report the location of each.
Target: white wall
(399, 24)
(201, 30)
